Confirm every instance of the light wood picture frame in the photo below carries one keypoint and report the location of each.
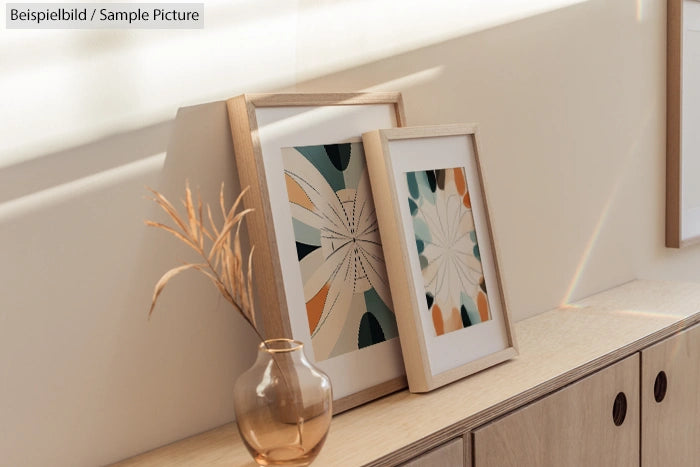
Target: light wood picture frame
(301, 157)
(440, 252)
(682, 120)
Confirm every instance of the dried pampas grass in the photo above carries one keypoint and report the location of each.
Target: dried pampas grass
(221, 262)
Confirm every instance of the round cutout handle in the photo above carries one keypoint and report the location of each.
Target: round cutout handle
(660, 386)
(619, 411)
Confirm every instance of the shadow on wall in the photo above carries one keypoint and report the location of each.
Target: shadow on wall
(565, 122)
(202, 342)
(73, 312)
(568, 113)
(65, 167)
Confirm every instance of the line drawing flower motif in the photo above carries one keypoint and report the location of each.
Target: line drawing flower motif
(447, 248)
(346, 289)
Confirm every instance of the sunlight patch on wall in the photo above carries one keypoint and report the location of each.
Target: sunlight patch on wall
(81, 187)
(409, 80)
(61, 88)
(642, 10)
(334, 35)
(627, 168)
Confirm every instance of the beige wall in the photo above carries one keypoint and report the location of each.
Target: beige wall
(570, 100)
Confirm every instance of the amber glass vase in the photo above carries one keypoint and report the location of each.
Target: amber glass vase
(283, 405)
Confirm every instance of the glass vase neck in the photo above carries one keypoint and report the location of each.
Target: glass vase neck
(280, 345)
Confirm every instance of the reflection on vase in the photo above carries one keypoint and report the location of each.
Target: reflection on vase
(283, 405)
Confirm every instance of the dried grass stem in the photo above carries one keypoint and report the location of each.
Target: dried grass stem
(222, 262)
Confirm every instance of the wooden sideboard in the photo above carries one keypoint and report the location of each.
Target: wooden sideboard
(557, 403)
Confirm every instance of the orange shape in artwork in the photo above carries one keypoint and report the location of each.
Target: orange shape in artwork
(467, 201)
(437, 321)
(455, 320)
(296, 194)
(460, 182)
(314, 307)
(483, 305)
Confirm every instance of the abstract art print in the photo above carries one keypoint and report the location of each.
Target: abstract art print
(318, 267)
(447, 247)
(440, 252)
(346, 290)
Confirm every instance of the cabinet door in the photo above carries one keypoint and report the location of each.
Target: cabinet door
(671, 401)
(584, 424)
(449, 454)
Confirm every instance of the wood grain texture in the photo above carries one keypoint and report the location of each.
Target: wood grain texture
(674, 85)
(429, 131)
(573, 426)
(269, 280)
(219, 447)
(395, 249)
(495, 248)
(556, 349)
(375, 392)
(340, 98)
(449, 454)
(670, 428)
(467, 438)
(381, 165)
(318, 99)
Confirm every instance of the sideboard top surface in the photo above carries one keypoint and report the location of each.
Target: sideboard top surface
(556, 348)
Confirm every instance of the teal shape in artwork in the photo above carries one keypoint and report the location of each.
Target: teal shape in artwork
(412, 206)
(305, 233)
(427, 189)
(384, 316)
(423, 261)
(412, 184)
(471, 309)
(318, 156)
(355, 168)
(420, 245)
(421, 230)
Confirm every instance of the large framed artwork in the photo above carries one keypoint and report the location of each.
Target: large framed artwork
(440, 252)
(682, 120)
(319, 265)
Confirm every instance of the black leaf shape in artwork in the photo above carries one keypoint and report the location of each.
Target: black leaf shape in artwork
(466, 322)
(303, 249)
(370, 331)
(440, 178)
(339, 155)
(432, 180)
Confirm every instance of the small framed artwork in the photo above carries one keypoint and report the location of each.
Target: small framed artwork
(440, 252)
(683, 118)
(318, 264)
